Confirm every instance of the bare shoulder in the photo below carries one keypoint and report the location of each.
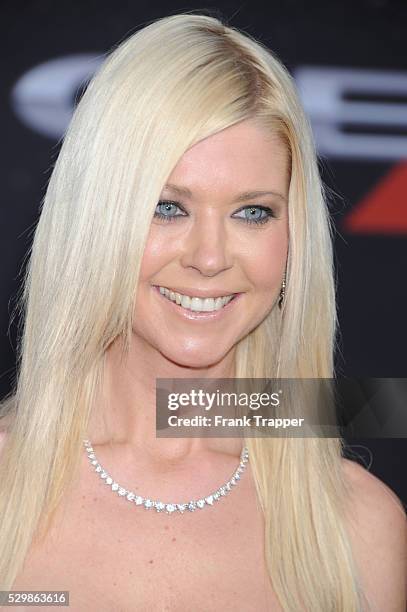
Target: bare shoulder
(378, 531)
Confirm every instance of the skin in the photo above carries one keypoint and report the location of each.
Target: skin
(210, 247)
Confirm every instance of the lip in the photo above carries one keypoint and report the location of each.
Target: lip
(206, 316)
(200, 292)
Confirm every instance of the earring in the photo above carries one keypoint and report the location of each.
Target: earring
(282, 293)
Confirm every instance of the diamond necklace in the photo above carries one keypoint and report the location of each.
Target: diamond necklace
(160, 506)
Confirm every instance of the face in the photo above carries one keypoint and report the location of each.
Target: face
(219, 230)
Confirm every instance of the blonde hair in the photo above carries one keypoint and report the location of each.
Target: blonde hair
(178, 80)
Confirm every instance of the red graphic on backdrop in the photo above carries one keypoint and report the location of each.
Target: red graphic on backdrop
(384, 209)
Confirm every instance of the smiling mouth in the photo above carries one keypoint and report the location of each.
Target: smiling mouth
(196, 304)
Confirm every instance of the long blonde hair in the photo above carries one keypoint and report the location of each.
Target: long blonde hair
(178, 80)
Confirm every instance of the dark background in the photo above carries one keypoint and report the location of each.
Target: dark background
(360, 132)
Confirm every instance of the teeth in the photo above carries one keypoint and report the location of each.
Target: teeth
(196, 304)
(185, 301)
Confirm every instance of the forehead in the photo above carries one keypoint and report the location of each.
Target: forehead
(242, 156)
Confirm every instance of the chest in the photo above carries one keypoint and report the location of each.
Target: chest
(112, 556)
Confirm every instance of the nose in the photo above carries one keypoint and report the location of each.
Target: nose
(207, 247)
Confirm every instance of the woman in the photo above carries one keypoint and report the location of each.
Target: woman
(188, 171)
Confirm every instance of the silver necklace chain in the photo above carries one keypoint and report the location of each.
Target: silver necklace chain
(159, 506)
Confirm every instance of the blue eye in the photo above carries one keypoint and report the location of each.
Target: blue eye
(166, 210)
(257, 214)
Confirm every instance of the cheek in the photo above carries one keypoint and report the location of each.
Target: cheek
(156, 254)
(266, 261)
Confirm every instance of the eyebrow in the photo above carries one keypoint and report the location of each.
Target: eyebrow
(243, 197)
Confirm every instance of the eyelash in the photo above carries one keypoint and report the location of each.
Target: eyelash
(170, 218)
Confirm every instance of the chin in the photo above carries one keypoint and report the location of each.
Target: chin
(196, 358)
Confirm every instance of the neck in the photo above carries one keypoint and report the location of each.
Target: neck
(125, 413)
